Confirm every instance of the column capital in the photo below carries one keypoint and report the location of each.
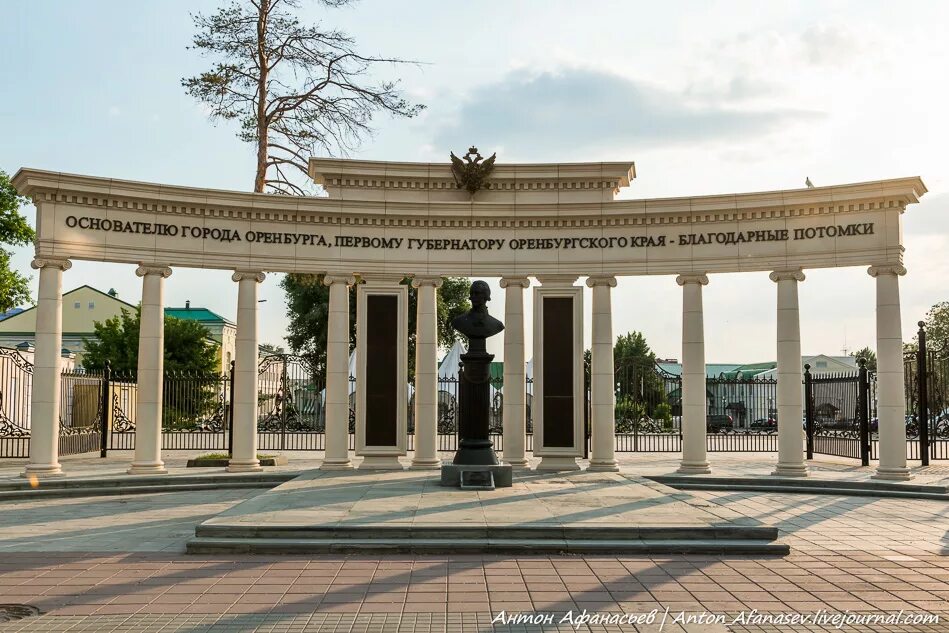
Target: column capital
(153, 269)
(886, 269)
(787, 275)
(601, 280)
(523, 282)
(241, 275)
(336, 278)
(426, 280)
(557, 280)
(55, 262)
(692, 278)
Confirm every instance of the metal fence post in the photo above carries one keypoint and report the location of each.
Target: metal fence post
(586, 415)
(922, 385)
(230, 412)
(863, 400)
(809, 411)
(105, 407)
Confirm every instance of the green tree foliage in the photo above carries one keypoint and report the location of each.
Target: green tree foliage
(15, 231)
(937, 327)
(639, 389)
(308, 309)
(187, 348)
(869, 355)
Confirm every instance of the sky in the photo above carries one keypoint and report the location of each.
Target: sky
(705, 98)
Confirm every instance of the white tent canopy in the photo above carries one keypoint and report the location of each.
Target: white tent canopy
(448, 369)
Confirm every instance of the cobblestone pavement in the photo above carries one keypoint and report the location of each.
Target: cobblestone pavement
(116, 564)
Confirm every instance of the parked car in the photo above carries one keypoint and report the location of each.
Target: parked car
(718, 423)
(764, 424)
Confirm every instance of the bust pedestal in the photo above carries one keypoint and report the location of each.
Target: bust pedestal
(476, 465)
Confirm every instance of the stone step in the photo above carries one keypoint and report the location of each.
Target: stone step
(205, 545)
(138, 485)
(805, 486)
(799, 482)
(125, 481)
(845, 492)
(365, 533)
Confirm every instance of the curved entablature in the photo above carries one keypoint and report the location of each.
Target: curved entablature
(536, 182)
(493, 232)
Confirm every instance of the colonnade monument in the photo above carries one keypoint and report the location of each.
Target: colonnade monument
(385, 221)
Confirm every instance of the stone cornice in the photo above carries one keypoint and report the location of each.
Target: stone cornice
(189, 203)
(368, 174)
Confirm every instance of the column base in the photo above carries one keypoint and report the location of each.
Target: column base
(381, 462)
(42, 471)
(694, 468)
(244, 466)
(336, 463)
(516, 464)
(892, 474)
(603, 465)
(790, 470)
(147, 468)
(426, 464)
(557, 463)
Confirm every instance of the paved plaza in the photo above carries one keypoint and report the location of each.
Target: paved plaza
(117, 563)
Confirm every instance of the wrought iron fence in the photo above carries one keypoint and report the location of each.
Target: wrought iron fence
(926, 374)
(741, 413)
(16, 386)
(197, 410)
(648, 398)
(840, 414)
(81, 412)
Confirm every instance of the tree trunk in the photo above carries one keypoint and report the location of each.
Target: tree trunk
(262, 123)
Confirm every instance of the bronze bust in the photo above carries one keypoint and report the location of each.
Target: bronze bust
(477, 323)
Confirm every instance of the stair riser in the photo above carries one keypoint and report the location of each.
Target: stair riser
(492, 547)
(495, 532)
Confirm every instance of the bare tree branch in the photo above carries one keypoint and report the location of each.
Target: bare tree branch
(295, 89)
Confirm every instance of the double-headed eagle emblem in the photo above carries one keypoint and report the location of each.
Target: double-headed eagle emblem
(473, 171)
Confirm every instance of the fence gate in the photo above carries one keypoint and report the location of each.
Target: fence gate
(16, 387)
(837, 414)
(82, 412)
(291, 411)
(926, 373)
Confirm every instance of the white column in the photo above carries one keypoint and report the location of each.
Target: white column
(337, 374)
(891, 403)
(602, 394)
(426, 374)
(790, 404)
(244, 458)
(44, 428)
(694, 407)
(151, 352)
(514, 414)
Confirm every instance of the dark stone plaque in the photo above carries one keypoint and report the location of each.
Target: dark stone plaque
(382, 358)
(558, 372)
